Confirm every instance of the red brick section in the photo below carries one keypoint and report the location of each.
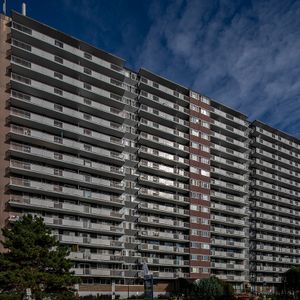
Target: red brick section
(4, 113)
(199, 262)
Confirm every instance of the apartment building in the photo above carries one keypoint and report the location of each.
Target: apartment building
(274, 205)
(129, 167)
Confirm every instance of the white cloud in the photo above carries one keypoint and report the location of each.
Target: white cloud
(246, 57)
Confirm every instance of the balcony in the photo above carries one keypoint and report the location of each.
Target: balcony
(159, 222)
(163, 91)
(26, 185)
(161, 144)
(163, 105)
(158, 116)
(161, 248)
(94, 257)
(87, 106)
(238, 267)
(236, 200)
(229, 187)
(274, 188)
(230, 118)
(67, 130)
(165, 236)
(227, 220)
(159, 182)
(228, 231)
(162, 209)
(98, 272)
(163, 196)
(64, 160)
(274, 148)
(29, 169)
(53, 142)
(68, 115)
(166, 262)
(163, 131)
(163, 170)
(274, 137)
(163, 157)
(70, 82)
(229, 255)
(278, 199)
(229, 142)
(234, 278)
(228, 164)
(230, 130)
(37, 38)
(227, 243)
(228, 175)
(49, 205)
(85, 226)
(91, 242)
(229, 153)
(228, 209)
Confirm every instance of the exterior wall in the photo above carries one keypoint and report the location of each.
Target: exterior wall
(129, 168)
(4, 112)
(199, 188)
(229, 190)
(275, 207)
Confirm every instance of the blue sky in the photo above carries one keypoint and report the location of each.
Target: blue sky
(244, 53)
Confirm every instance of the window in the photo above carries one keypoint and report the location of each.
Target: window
(87, 101)
(21, 45)
(204, 209)
(204, 233)
(194, 157)
(87, 71)
(204, 221)
(21, 28)
(194, 132)
(156, 85)
(58, 107)
(58, 44)
(21, 61)
(87, 131)
(58, 139)
(204, 246)
(87, 117)
(205, 257)
(204, 136)
(21, 78)
(205, 160)
(194, 95)
(87, 86)
(195, 120)
(194, 257)
(205, 100)
(194, 207)
(87, 147)
(194, 270)
(20, 95)
(204, 148)
(58, 75)
(205, 173)
(58, 91)
(205, 185)
(58, 124)
(195, 145)
(58, 156)
(204, 112)
(194, 107)
(87, 55)
(205, 124)
(58, 59)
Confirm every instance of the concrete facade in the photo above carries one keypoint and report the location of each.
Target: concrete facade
(128, 167)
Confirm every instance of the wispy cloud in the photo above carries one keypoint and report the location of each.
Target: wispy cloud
(246, 56)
